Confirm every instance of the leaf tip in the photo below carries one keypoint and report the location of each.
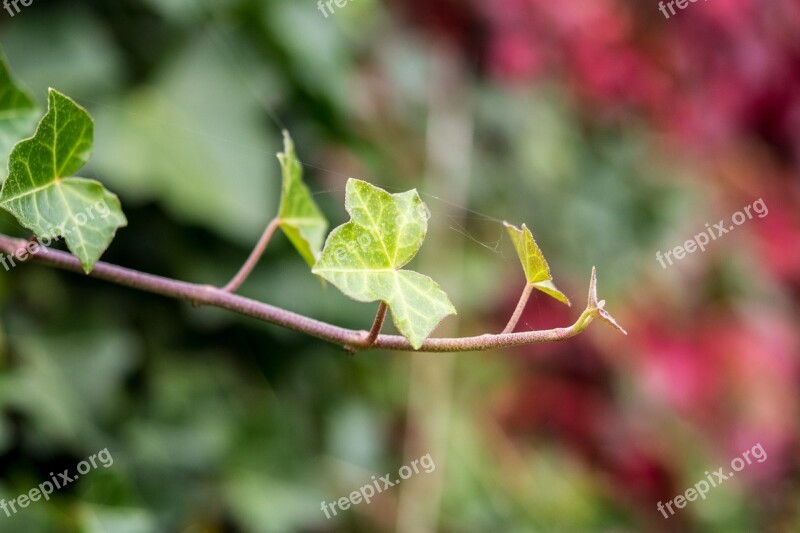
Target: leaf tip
(288, 143)
(592, 303)
(597, 308)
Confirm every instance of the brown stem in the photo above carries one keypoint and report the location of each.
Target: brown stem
(255, 255)
(523, 300)
(372, 335)
(376, 326)
(208, 295)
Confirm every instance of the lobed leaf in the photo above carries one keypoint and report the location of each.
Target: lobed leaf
(43, 197)
(300, 217)
(363, 258)
(18, 114)
(537, 271)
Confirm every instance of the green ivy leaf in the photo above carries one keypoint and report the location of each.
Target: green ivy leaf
(300, 218)
(363, 257)
(42, 196)
(18, 114)
(537, 271)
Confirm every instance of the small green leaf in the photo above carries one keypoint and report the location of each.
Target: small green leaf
(537, 271)
(300, 218)
(45, 199)
(18, 114)
(363, 257)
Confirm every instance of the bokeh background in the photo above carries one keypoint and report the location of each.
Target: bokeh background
(611, 131)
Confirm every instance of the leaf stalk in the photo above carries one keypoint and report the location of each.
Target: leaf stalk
(248, 266)
(523, 300)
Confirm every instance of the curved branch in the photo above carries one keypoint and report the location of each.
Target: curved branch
(213, 296)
